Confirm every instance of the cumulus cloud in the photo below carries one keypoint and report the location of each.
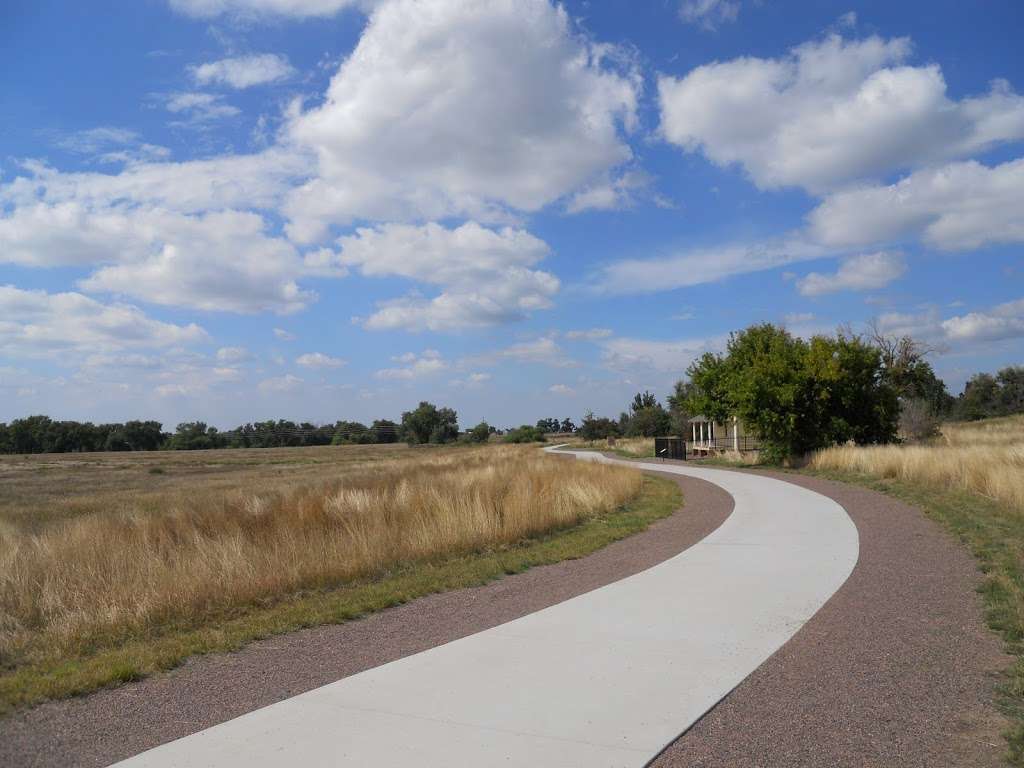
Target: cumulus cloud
(998, 323)
(467, 109)
(709, 14)
(484, 274)
(243, 71)
(37, 323)
(858, 273)
(195, 264)
(414, 366)
(152, 234)
(319, 360)
(561, 389)
(955, 207)
(830, 112)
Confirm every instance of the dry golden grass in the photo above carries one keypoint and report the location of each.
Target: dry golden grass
(218, 540)
(642, 447)
(982, 457)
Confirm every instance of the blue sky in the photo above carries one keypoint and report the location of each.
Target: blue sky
(323, 209)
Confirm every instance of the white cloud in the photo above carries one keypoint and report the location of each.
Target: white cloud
(284, 335)
(484, 274)
(709, 14)
(1001, 322)
(831, 112)
(205, 9)
(229, 181)
(544, 350)
(650, 356)
(466, 109)
(195, 263)
(857, 273)
(701, 265)
(319, 360)
(278, 384)
(611, 194)
(956, 207)
(243, 71)
(109, 144)
(590, 334)
(37, 323)
(561, 389)
(1005, 321)
(471, 381)
(414, 366)
(199, 107)
(232, 354)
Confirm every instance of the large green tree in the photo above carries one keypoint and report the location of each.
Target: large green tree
(796, 395)
(430, 424)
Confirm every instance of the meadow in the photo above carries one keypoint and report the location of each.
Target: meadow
(115, 565)
(983, 457)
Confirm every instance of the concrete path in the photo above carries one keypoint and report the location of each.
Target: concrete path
(608, 678)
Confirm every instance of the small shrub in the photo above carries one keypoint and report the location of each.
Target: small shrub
(525, 434)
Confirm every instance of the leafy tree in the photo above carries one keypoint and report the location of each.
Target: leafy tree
(567, 426)
(143, 435)
(194, 436)
(980, 398)
(525, 434)
(349, 432)
(1011, 389)
(430, 424)
(906, 369)
(481, 433)
(386, 431)
(679, 414)
(549, 426)
(646, 417)
(797, 396)
(594, 428)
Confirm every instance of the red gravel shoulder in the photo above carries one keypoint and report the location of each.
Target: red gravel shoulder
(897, 669)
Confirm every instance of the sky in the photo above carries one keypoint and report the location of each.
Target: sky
(231, 210)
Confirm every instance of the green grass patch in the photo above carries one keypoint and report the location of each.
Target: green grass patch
(994, 533)
(61, 677)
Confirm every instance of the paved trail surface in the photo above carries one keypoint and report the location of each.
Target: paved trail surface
(608, 678)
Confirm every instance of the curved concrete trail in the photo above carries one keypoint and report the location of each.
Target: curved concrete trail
(608, 678)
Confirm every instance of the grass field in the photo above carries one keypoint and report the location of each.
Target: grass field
(113, 566)
(628, 447)
(971, 480)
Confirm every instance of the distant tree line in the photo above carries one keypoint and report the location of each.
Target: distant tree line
(798, 395)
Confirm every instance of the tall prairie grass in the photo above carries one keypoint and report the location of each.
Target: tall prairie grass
(641, 447)
(981, 457)
(92, 580)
